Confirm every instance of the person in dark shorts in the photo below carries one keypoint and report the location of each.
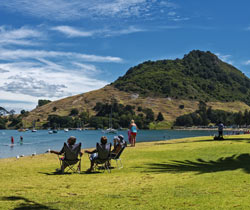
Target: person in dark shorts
(220, 130)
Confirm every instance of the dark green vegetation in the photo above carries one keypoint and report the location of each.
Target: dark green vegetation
(121, 116)
(198, 76)
(42, 102)
(12, 121)
(3, 122)
(115, 115)
(206, 115)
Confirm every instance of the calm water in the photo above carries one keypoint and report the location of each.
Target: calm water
(40, 141)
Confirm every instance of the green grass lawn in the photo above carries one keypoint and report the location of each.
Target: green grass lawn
(194, 173)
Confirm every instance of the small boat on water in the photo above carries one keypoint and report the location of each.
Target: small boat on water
(110, 130)
(33, 130)
(66, 129)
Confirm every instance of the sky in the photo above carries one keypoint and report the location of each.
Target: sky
(52, 49)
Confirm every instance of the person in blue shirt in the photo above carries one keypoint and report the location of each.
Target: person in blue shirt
(133, 132)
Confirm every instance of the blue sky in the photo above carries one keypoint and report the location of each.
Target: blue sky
(51, 49)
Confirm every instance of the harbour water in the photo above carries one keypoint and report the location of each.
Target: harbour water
(39, 142)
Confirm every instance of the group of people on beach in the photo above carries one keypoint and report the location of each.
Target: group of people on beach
(118, 143)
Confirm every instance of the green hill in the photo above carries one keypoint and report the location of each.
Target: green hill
(199, 76)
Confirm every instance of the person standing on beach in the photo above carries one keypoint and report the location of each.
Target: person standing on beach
(220, 130)
(133, 132)
(12, 140)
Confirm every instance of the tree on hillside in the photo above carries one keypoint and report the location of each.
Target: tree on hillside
(24, 113)
(74, 112)
(12, 112)
(3, 122)
(159, 117)
(42, 102)
(149, 114)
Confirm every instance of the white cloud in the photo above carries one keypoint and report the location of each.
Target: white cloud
(172, 13)
(88, 68)
(247, 62)
(45, 79)
(28, 85)
(21, 36)
(129, 30)
(34, 74)
(18, 54)
(72, 32)
(76, 9)
(179, 18)
(225, 58)
(77, 32)
(3, 70)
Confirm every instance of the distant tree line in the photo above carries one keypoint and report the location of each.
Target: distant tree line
(106, 114)
(206, 115)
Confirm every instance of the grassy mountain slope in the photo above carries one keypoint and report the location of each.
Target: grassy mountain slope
(163, 86)
(85, 102)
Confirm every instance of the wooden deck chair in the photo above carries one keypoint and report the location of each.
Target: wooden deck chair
(102, 162)
(72, 158)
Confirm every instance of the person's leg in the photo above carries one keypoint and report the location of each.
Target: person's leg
(64, 165)
(92, 159)
(131, 136)
(91, 165)
(133, 140)
(220, 133)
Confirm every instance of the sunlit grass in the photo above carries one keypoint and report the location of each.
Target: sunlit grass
(192, 173)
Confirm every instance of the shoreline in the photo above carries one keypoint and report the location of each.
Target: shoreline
(8, 151)
(140, 143)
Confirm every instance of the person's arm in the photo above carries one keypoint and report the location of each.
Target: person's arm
(90, 152)
(55, 152)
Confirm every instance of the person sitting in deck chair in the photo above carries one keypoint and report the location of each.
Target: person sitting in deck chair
(119, 142)
(100, 155)
(70, 152)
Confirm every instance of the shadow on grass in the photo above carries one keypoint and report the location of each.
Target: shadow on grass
(67, 173)
(204, 140)
(27, 205)
(201, 166)
(55, 173)
(226, 139)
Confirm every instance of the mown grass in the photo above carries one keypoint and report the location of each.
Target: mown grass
(193, 173)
